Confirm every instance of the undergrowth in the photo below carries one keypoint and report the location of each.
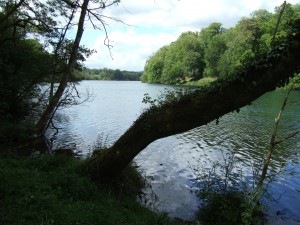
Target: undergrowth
(55, 190)
(228, 197)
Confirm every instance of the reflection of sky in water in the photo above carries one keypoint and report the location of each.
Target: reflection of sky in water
(246, 135)
(169, 162)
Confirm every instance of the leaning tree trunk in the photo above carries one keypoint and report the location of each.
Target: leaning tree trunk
(194, 110)
(42, 124)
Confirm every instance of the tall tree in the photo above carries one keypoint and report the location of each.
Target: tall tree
(239, 41)
(23, 62)
(41, 125)
(206, 34)
(91, 14)
(213, 52)
(154, 66)
(183, 60)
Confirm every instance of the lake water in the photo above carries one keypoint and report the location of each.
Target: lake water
(169, 163)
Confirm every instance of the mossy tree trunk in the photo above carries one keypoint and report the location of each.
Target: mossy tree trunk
(194, 110)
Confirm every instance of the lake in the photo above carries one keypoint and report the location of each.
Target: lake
(169, 163)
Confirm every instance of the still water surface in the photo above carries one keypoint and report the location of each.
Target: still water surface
(169, 162)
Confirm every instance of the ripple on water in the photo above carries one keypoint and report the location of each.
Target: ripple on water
(171, 161)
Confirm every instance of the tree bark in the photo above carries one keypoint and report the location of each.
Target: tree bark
(194, 110)
(43, 122)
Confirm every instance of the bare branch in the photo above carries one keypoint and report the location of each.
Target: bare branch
(100, 19)
(93, 24)
(116, 20)
(287, 137)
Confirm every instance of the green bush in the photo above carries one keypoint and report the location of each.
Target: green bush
(226, 196)
(15, 132)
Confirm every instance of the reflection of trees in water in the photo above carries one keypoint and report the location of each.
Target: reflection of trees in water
(57, 135)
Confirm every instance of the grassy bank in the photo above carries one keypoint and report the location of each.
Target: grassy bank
(202, 82)
(49, 190)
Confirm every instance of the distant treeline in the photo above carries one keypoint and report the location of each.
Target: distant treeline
(108, 74)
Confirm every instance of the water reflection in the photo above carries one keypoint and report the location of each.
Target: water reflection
(246, 135)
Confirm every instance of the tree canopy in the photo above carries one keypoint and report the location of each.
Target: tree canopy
(215, 51)
(24, 62)
(37, 50)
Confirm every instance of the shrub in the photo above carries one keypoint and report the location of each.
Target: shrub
(226, 197)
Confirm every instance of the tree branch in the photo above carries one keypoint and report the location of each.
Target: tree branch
(287, 137)
(195, 109)
(12, 11)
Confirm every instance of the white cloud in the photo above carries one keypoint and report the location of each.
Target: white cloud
(130, 49)
(155, 23)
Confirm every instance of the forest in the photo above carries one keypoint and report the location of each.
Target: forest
(215, 51)
(41, 60)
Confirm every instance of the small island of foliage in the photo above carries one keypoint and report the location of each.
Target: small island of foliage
(217, 52)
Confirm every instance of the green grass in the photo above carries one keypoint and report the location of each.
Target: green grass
(55, 190)
(202, 82)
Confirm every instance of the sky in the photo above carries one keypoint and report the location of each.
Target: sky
(150, 24)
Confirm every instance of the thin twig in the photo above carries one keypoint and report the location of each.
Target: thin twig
(287, 137)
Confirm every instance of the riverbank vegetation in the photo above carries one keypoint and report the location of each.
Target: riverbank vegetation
(55, 190)
(218, 52)
(226, 194)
